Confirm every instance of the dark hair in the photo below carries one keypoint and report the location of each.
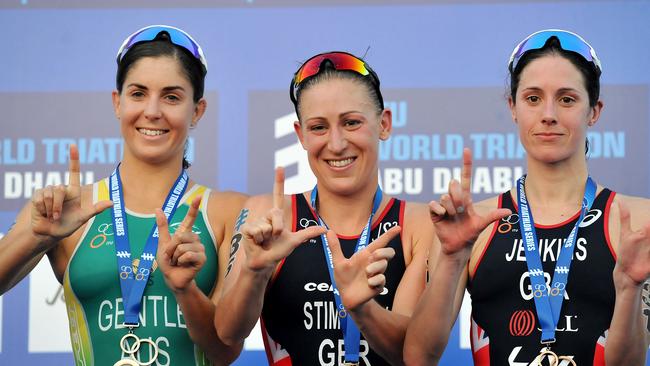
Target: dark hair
(328, 72)
(162, 47)
(588, 70)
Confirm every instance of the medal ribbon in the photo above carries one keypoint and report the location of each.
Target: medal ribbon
(351, 333)
(548, 301)
(133, 284)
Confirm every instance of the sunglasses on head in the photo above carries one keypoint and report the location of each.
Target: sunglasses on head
(341, 61)
(176, 36)
(569, 41)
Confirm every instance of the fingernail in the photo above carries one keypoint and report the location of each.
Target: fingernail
(460, 209)
(56, 216)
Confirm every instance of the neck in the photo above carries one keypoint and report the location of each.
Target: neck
(560, 185)
(346, 215)
(145, 186)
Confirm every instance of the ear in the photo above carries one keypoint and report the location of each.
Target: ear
(116, 103)
(386, 124)
(199, 110)
(301, 137)
(595, 113)
(513, 113)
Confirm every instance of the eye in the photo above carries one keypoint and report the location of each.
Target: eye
(533, 99)
(318, 128)
(352, 123)
(567, 100)
(172, 98)
(137, 94)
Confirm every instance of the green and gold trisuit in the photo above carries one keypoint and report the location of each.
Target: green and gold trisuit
(94, 300)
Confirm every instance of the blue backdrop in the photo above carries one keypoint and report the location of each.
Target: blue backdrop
(57, 68)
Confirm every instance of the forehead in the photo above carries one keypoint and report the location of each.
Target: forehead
(159, 68)
(335, 93)
(552, 70)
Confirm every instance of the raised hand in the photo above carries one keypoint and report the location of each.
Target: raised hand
(457, 224)
(634, 249)
(268, 240)
(57, 211)
(180, 256)
(361, 277)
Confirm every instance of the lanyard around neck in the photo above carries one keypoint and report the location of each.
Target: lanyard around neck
(133, 284)
(351, 333)
(548, 301)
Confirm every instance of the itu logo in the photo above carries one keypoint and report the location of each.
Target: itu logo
(104, 232)
(292, 155)
(507, 224)
(522, 323)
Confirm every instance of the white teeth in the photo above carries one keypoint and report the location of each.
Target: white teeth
(340, 163)
(148, 132)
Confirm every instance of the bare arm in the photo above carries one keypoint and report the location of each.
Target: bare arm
(458, 227)
(428, 332)
(265, 240)
(54, 213)
(180, 259)
(629, 333)
(20, 251)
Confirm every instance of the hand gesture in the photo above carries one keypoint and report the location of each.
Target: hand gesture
(457, 224)
(634, 250)
(180, 256)
(268, 240)
(57, 211)
(361, 277)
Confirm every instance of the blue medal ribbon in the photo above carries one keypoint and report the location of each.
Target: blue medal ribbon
(133, 284)
(351, 333)
(548, 300)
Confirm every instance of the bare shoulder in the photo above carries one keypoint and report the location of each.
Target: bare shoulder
(418, 231)
(483, 207)
(634, 203)
(639, 210)
(226, 201)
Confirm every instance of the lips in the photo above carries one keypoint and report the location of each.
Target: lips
(151, 132)
(340, 163)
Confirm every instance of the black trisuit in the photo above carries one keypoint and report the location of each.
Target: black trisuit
(505, 329)
(300, 325)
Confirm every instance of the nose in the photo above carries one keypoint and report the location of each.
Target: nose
(152, 109)
(550, 113)
(337, 141)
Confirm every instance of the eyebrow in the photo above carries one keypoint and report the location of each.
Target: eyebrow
(349, 112)
(559, 91)
(165, 89)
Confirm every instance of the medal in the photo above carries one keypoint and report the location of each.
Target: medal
(132, 349)
(553, 358)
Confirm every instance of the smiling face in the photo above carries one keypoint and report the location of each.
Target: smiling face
(340, 129)
(155, 109)
(551, 109)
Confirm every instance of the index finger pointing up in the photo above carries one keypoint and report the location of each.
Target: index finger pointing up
(278, 188)
(466, 174)
(191, 215)
(75, 180)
